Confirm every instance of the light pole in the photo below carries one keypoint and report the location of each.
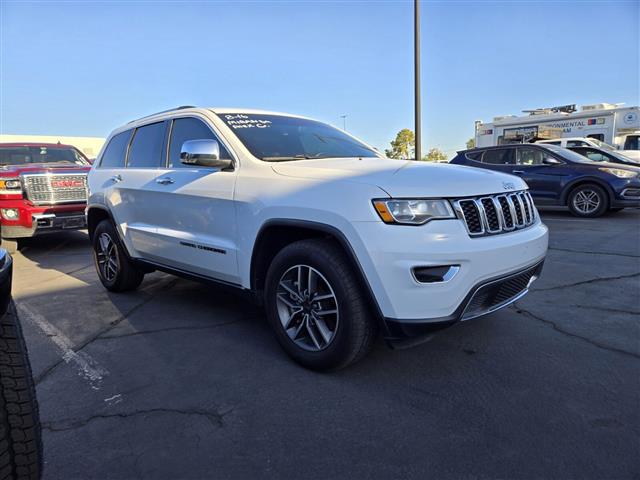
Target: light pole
(344, 122)
(416, 67)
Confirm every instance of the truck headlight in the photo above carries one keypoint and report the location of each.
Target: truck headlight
(10, 185)
(412, 211)
(10, 213)
(619, 172)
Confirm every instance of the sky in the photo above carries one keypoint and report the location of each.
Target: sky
(82, 68)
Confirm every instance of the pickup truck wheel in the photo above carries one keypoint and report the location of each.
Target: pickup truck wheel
(588, 201)
(316, 306)
(20, 438)
(115, 270)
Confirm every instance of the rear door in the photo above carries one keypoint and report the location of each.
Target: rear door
(194, 220)
(133, 204)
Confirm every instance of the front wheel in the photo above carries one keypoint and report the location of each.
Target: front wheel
(588, 201)
(116, 272)
(316, 306)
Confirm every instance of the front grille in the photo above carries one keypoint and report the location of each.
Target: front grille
(493, 295)
(495, 214)
(48, 189)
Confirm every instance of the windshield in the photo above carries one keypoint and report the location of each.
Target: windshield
(33, 154)
(601, 144)
(277, 138)
(632, 142)
(568, 154)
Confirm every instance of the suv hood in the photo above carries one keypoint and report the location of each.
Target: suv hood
(405, 178)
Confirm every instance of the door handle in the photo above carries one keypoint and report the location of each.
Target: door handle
(165, 181)
(518, 172)
(116, 178)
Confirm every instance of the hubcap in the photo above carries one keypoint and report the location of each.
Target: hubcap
(107, 256)
(307, 307)
(586, 201)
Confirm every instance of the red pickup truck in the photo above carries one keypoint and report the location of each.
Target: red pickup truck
(43, 188)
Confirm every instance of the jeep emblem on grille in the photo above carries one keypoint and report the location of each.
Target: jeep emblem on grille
(67, 183)
(508, 186)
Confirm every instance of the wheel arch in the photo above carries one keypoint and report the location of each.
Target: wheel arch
(564, 199)
(275, 234)
(96, 214)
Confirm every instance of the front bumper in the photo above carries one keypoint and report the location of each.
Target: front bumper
(409, 307)
(485, 298)
(42, 223)
(628, 197)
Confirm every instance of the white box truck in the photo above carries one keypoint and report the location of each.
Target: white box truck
(614, 124)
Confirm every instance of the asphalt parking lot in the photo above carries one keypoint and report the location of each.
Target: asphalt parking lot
(178, 380)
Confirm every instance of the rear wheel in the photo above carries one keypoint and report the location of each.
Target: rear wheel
(588, 201)
(316, 306)
(116, 272)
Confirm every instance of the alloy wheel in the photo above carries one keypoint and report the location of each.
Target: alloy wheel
(107, 256)
(586, 201)
(307, 307)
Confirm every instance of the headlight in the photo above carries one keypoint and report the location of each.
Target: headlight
(618, 172)
(412, 212)
(10, 186)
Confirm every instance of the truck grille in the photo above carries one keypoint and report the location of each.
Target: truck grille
(495, 214)
(49, 189)
(498, 293)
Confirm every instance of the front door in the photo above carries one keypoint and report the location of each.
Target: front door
(195, 214)
(545, 180)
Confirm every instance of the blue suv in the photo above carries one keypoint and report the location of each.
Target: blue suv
(557, 176)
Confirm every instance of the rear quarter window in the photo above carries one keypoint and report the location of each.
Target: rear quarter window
(115, 153)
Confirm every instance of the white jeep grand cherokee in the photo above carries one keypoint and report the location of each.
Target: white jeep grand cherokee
(335, 240)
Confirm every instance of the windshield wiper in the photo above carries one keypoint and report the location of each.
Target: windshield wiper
(285, 159)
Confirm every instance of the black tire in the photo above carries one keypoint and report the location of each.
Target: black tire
(598, 194)
(126, 277)
(20, 436)
(354, 333)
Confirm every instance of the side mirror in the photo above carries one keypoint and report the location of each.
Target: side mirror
(204, 153)
(551, 161)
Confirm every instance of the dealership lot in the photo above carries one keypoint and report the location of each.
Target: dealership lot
(178, 380)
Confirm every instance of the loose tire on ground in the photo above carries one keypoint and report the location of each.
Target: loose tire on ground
(356, 327)
(595, 194)
(20, 440)
(121, 275)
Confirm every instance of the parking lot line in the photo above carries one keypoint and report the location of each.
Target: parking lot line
(88, 367)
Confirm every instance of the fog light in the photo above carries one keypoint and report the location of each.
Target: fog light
(10, 213)
(442, 273)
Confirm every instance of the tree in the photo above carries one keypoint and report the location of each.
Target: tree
(435, 155)
(403, 146)
(471, 143)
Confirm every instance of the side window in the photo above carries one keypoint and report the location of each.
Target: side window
(597, 136)
(553, 143)
(498, 157)
(529, 156)
(189, 129)
(474, 156)
(594, 156)
(116, 151)
(146, 148)
(576, 143)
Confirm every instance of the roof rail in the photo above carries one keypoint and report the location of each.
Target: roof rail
(181, 107)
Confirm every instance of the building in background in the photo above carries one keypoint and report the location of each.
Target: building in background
(90, 146)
